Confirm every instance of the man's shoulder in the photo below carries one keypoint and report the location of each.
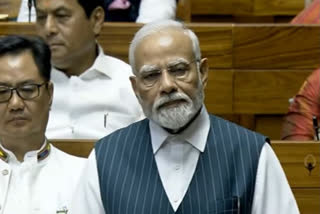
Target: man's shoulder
(117, 64)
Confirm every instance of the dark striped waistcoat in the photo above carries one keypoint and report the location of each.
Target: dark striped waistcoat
(223, 182)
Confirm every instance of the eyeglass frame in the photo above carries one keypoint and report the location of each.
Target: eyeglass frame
(18, 93)
(140, 76)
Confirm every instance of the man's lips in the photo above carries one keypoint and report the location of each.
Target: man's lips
(172, 103)
(55, 44)
(17, 119)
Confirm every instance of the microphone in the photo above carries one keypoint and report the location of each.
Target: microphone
(315, 127)
(29, 9)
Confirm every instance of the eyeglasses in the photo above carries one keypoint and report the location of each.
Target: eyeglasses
(178, 71)
(25, 92)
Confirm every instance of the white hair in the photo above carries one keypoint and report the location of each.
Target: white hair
(161, 26)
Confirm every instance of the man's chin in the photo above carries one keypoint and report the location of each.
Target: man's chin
(171, 121)
(59, 61)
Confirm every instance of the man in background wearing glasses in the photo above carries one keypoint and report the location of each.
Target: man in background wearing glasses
(35, 177)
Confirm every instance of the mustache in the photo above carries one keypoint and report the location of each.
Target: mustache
(169, 98)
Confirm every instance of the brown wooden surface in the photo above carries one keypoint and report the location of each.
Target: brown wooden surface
(265, 91)
(205, 7)
(277, 7)
(225, 45)
(292, 155)
(308, 200)
(254, 69)
(10, 7)
(251, 9)
(77, 147)
(219, 91)
(183, 11)
(276, 47)
(269, 125)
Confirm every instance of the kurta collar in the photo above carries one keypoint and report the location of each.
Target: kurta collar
(41, 154)
(196, 133)
(102, 67)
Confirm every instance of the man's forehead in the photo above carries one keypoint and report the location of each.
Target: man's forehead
(18, 67)
(55, 4)
(169, 37)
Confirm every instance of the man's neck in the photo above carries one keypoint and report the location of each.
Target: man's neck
(21, 145)
(82, 64)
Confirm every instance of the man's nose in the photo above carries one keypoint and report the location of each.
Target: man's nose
(50, 26)
(167, 83)
(15, 102)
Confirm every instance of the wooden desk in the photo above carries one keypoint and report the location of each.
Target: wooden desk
(295, 158)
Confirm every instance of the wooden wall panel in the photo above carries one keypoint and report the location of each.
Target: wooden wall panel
(183, 11)
(265, 92)
(278, 7)
(269, 125)
(219, 91)
(252, 9)
(215, 43)
(209, 7)
(10, 7)
(276, 47)
(115, 38)
(254, 69)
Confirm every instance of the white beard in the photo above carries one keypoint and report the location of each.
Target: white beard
(178, 116)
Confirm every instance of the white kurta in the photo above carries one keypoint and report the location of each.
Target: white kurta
(177, 160)
(23, 15)
(153, 10)
(38, 186)
(94, 104)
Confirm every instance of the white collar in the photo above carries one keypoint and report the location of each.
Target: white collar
(196, 133)
(102, 66)
(39, 155)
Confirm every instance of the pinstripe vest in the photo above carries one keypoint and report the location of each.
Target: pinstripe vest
(223, 182)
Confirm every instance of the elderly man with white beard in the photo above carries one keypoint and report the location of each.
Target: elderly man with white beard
(181, 159)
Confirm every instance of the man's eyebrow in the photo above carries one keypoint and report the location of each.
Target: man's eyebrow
(148, 68)
(25, 82)
(56, 10)
(177, 62)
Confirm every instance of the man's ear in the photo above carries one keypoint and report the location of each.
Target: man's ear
(97, 20)
(204, 70)
(50, 92)
(133, 80)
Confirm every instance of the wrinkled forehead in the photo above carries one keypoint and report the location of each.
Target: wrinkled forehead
(166, 37)
(164, 46)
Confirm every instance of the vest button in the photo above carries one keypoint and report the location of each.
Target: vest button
(5, 172)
